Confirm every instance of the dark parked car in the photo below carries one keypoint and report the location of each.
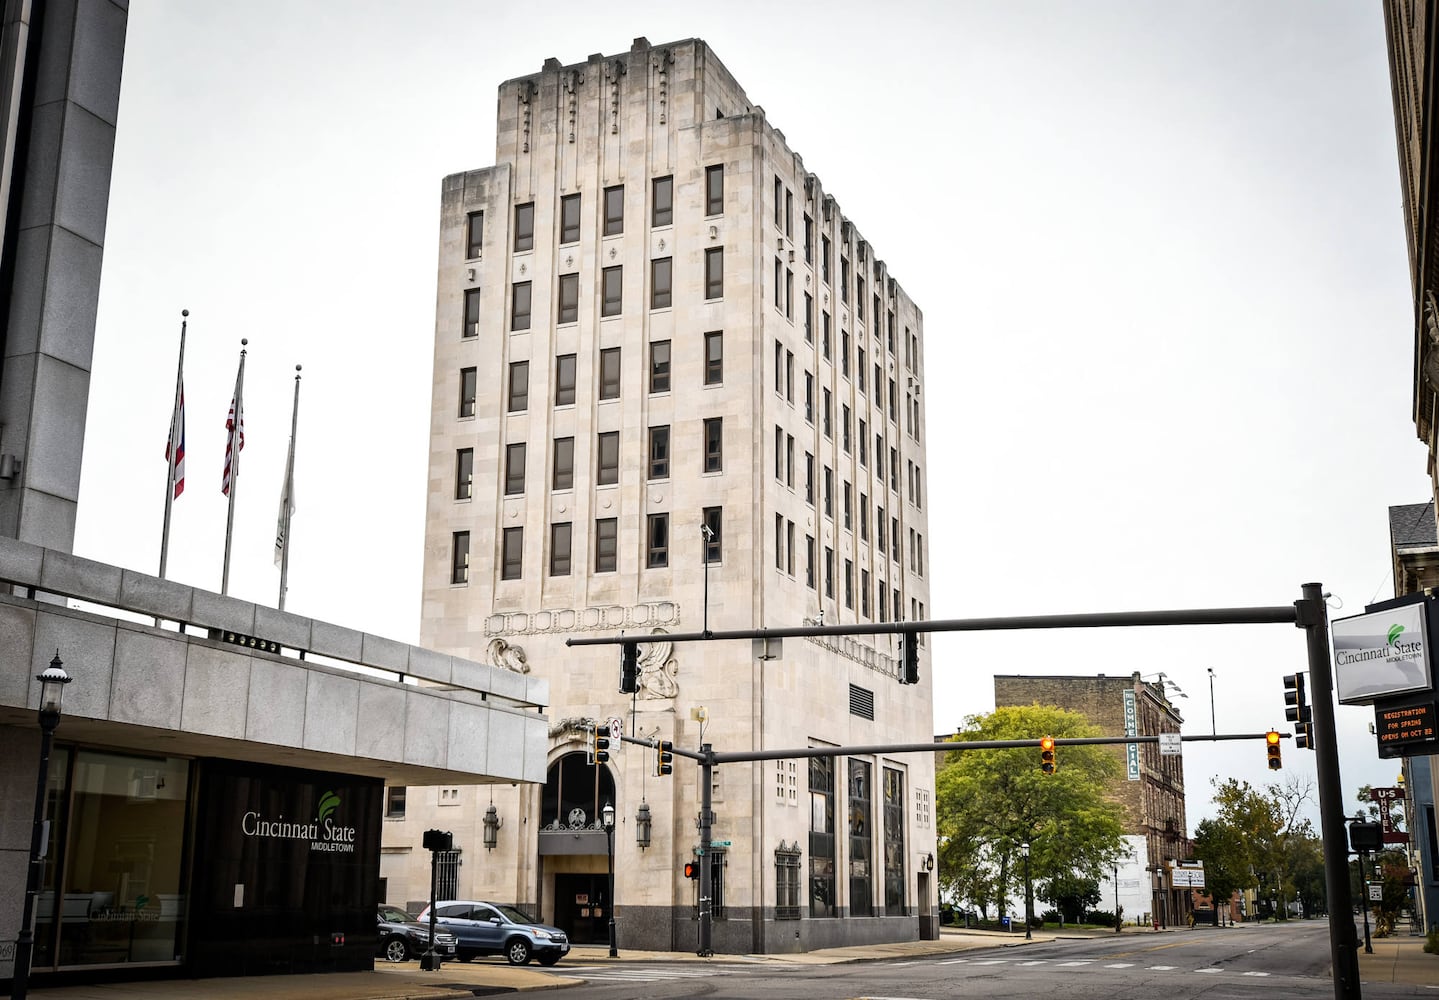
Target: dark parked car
(496, 929)
(402, 937)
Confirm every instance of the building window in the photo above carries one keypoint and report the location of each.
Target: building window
(779, 541)
(464, 473)
(808, 318)
(560, 549)
(519, 386)
(789, 460)
(863, 517)
(808, 240)
(474, 234)
(614, 210)
(714, 273)
(564, 473)
(847, 506)
(779, 453)
(893, 842)
(849, 584)
(472, 313)
(661, 273)
(611, 291)
(809, 479)
(657, 550)
(512, 555)
(882, 593)
(714, 357)
(609, 459)
(565, 380)
(663, 207)
(714, 189)
(714, 444)
(713, 534)
(660, 452)
(570, 218)
(525, 226)
(828, 571)
(845, 427)
(460, 557)
(826, 412)
(825, 344)
(520, 305)
(789, 213)
(786, 882)
(824, 258)
(778, 202)
(844, 353)
(606, 547)
(809, 562)
(789, 547)
(789, 376)
(843, 278)
(808, 398)
(828, 492)
(859, 371)
(864, 593)
(861, 890)
(569, 311)
(610, 373)
(468, 381)
(395, 801)
(778, 284)
(788, 294)
(822, 902)
(660, 366)
(879, 526)
(514, 469)
(894, 471)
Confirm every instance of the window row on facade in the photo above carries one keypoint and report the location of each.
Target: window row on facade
(784, 383)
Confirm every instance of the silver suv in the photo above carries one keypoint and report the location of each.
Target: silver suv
(495, 929)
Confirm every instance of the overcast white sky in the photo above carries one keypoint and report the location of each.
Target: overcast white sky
(1159, 248)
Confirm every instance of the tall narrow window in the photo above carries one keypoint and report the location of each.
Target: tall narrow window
(789, 213)
(560, 537)
(809, 562)
(714, 189)
(789, 546)
(809, 479)
(472, 313)
(460, 557)
(714, 444)
(778, 202)
(569, 311)
(660, 452)
(565, 380)
(714, 273)
(789, 460)
(824, 258)
(563, 477)
(861, 891)
(788, 294)
(809, 397)
(828, 492)
(845, 427)
(847, 505)
(514, 469)
(789, 376)
(611, 291)
(570, 218)
(779, 453)
(608, 472)
(864, 517)
(614, 210)
(826, 411)
(464, 473)
(660, 366)
(713, 534)
(657, 548)
(525, 226)
(714, 357)
(808, 240)
(610, 373)
(849, 584)
(894, 880)
(519, 386)
(828, 571)
(474, 234)
(824, 335)
(864, 593)
(512, 554)
(844, 353)
(468, 382)
(520, 305)
(822, 900)
(778, 284)
(779, 541)
(859, 371)
(663, 207)
(661, 276)
(808, 318)
(843, 278)
(859, 298)
(606, 545)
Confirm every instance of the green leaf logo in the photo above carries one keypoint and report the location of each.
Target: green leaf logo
(141, 902)
(1394, 631)
(329, 802)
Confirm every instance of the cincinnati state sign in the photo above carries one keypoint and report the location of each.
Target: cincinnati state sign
(1381, 654)
(323, 833)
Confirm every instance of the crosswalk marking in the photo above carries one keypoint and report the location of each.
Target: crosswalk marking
(1086, 961)
(1037, 961)
(1163, 968)
(1208, 972)
(1256, 973)
(992, 961)
(953, 961)
(597, 973)
(1120, 965)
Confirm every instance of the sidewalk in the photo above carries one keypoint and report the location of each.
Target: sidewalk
(1399, 958)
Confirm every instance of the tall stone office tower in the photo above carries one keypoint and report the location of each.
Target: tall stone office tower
(675, 386)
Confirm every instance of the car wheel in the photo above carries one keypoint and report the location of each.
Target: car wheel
(396, 950)
(548, 960)
(517, 951)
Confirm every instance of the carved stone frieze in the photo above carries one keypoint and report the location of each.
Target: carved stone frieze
(608, 618)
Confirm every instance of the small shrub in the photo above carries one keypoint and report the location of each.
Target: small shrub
(1104, 918)
(1049, 917)
(1431, 942)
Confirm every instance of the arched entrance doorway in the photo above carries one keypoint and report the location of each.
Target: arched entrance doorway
(573, 845)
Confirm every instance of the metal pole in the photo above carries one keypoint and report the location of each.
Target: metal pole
(1364, 904)
(236, 443)
(25, 942)
(610, 842)
(1028, 898)
(1213, 726)
(431, 962)
(1117, 920)
(287, 497)
(1313, 617)
(177, 414)
(706, 944)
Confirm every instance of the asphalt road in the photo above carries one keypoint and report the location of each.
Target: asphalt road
(1272, 962)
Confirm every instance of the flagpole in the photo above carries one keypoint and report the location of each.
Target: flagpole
(287, 498)
(173, 448)
(233, 447)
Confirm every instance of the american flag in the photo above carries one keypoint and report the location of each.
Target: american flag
(234, 440)
(176, 444)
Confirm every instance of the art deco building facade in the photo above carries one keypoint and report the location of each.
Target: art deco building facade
(675, 388)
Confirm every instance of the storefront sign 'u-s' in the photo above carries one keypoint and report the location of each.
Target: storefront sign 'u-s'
(1131, 728)
(323, 833)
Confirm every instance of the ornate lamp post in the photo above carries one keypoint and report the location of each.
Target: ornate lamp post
(52, 691)
(1028, 893)
(607, 815)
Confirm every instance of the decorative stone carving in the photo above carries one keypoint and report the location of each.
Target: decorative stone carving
(659, 671)
(612, 617)
(508, 656)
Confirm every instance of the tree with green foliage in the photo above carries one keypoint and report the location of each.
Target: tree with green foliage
(1258, 837)
(988, 802)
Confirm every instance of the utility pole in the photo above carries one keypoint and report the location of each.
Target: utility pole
(706, 825)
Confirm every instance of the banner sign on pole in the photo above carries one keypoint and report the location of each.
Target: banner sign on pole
(1131, 728)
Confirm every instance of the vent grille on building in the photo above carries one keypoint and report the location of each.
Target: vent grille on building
(861, 702)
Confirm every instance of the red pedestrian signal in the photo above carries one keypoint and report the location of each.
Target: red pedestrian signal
(692, 870)
(1271, 748)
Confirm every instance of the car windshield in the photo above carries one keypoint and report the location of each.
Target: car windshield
(516, 916)
(395, 915)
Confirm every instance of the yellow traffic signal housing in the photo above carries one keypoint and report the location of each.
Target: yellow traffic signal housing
(665, 762)
(1271, 748)
(1047, 763)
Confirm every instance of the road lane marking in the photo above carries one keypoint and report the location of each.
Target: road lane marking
(953, 961)
(1120, 965)
(1256, 973)
(1037, 961)
(1087, 961)
(1208, 972)
(1162, 968)
(992, 961)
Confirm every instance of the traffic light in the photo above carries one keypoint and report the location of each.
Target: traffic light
(629, 667)
(1297, 711)
(911, 658)
(692, 869)
(602, 746)
(1271, 747)
(665, 763)
(1047, 763)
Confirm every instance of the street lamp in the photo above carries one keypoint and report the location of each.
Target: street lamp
(1118, 922)
(52, 691)
(1028, 894)
(607, 816)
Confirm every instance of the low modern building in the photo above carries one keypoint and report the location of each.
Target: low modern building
(1151, 790)
(677, 389)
